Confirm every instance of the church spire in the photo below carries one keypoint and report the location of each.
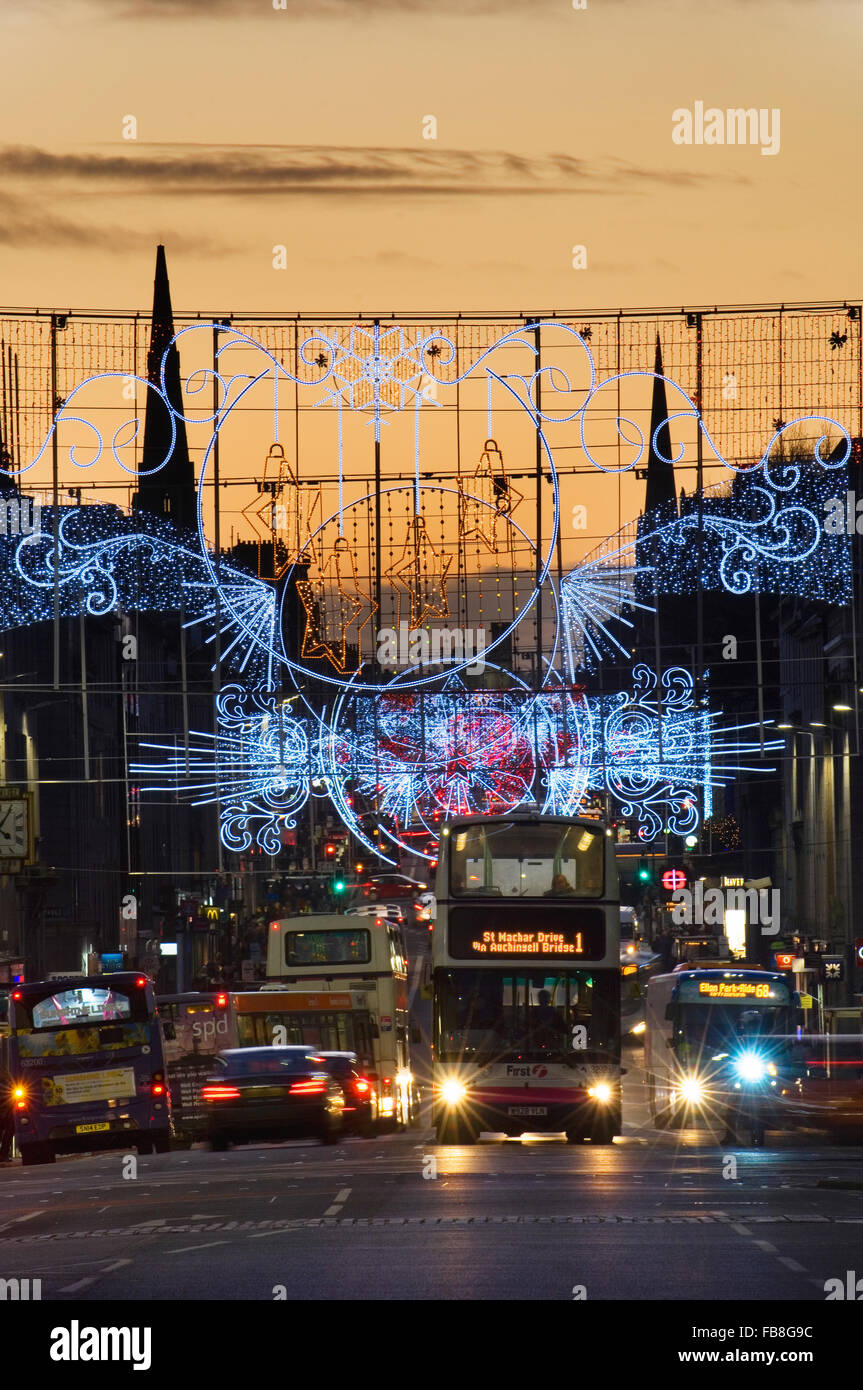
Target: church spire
(170, 492)
(660, 497)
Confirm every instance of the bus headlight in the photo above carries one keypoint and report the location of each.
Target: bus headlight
(691, 1090)
(750, 1067)
(601, 1092)
(453, 1092)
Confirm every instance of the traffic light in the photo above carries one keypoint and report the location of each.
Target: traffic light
(644, 875)
(329, 850)
(691, 842)
(339, 885)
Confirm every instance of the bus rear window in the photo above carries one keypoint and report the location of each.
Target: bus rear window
(71, 1008)
(327, 947)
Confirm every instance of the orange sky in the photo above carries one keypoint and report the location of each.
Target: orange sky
(303, 127)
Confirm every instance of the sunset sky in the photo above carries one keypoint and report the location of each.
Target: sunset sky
(302, 127)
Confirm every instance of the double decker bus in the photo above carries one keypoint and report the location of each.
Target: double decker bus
(362, 964)
(86, 1066)
(719, 1046)
(526, 979)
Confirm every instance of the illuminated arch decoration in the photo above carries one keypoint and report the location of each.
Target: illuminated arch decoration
(549, 746)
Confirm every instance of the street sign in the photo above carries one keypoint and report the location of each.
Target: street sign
(833, 967)
(806, 1001)
(673, 879)
(784, 960)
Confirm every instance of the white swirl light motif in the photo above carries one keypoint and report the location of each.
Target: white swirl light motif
(257, 766)
(661, 757)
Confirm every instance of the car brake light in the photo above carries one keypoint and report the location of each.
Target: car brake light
(140, 982)
(388, 1083)
(219, 1092)
(307, 1088)
(361, 1087)
(16, 994)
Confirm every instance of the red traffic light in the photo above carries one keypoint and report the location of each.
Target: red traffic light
(673, 879)
(329, 850)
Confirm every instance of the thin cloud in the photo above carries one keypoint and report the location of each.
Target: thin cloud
(248, 171)
(28, 224)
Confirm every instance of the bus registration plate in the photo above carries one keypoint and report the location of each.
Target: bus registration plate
(527, 1110)
(91, 1129)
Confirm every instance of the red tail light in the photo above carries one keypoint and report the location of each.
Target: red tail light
(388, 1083)
(361, 1087)
(221, 1001)
(220, 1092)
(140, 982)
(308, 1088)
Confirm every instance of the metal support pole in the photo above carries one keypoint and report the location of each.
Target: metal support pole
(55, 500)
(85, 719)
(537, 333)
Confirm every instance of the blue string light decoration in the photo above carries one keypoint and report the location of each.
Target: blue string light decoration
(108, 562)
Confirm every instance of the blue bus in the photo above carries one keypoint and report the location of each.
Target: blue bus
(86, 1067)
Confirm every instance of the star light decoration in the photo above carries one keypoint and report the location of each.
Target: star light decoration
(420, 576)
(286, 512)
(490, 497)
(334, 604)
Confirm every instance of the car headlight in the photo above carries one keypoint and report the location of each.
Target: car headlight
(750, 1067)
(601, 1092)
(453, 1092)
(639, 1028)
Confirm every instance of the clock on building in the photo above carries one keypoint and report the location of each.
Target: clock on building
(14, 824)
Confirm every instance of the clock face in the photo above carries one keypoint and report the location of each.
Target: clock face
(13, 830)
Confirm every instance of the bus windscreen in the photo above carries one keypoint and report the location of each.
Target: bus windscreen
(504, 859)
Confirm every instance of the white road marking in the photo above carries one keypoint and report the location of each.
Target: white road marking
(81, 1284)
(341, 1198)
(741, 1230)
(765, 1245)
(184, 1249)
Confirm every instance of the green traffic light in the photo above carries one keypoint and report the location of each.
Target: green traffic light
(338, 886)
(644, 875)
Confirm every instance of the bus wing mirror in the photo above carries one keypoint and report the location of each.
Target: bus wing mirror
(416, 1035)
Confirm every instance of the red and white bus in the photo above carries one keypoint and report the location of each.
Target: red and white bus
(526, 979)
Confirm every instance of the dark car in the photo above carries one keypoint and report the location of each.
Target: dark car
(361, 1099)
(258, 1093)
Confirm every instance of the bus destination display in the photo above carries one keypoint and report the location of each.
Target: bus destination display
(480, 936)
(729, 991)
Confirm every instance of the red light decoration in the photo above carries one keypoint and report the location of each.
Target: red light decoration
(673, 879)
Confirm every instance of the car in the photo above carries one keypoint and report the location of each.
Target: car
(392, 911)
(258, 1093)
(361, 1099)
